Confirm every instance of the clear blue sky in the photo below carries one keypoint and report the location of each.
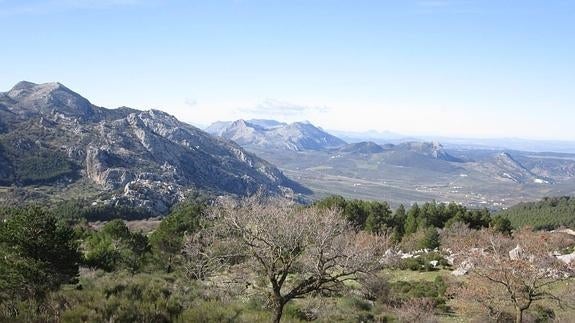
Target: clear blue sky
(445, 67)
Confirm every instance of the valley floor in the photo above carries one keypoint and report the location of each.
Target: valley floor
(367, 177)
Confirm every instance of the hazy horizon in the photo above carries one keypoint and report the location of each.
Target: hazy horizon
(448, 68)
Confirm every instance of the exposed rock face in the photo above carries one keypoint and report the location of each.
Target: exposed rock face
(568, 259)
(99, 169)
(463, 269)
(516, 253)
(269, 134)
(146, 158)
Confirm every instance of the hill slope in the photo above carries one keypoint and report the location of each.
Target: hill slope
(52, 135)
(548, 213)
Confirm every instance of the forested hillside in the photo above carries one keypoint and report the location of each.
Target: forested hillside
(549, 213)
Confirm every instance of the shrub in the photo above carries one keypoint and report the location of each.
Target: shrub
(210, 311)
(115, 247)
(375, 288)
(433, 292)
(123, 297)
(543, 314)
(423, 262)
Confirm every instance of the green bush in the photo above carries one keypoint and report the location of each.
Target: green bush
(404, 290)
(501, 224)
(543, 314)
(423, 262)
(115, 247)
(167, 240)
(123, 297)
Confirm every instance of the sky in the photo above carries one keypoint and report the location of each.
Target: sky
(460, 68)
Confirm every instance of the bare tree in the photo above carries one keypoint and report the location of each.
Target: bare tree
(515, 271)
(417, 310)
(300, 250)
(204, 254)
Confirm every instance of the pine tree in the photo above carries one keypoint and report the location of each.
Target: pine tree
(399, 220)
(411, 222)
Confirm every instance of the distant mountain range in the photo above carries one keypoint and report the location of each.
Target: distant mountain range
(55, 144)
(399, 169)
(300, 136)
(519, 144)
(52, 137)
(386, 137)
(270, 134)
(559, 146)
(380, 137)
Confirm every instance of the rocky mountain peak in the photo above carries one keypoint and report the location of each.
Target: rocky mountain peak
(240, 128)
(146, 159)
(49, 98)
(240, 123)
(276, 135)
(25, 89)
(431, 149)
(22, 85)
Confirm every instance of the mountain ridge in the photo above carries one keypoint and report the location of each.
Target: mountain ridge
(146, 159)
(272, 134)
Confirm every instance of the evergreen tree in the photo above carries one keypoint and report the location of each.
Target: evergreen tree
(167, 240)
(333, 201)
(411, 222)
(379, 217)
(501, 224)
(356, 212)
(399, 218)
(431, 239)
(37, 254)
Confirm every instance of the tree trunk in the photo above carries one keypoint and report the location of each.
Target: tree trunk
(518, 315)
(278, 311)
(169, 267)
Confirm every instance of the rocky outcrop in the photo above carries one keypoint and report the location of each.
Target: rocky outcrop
(98, 168)
(152, 193)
